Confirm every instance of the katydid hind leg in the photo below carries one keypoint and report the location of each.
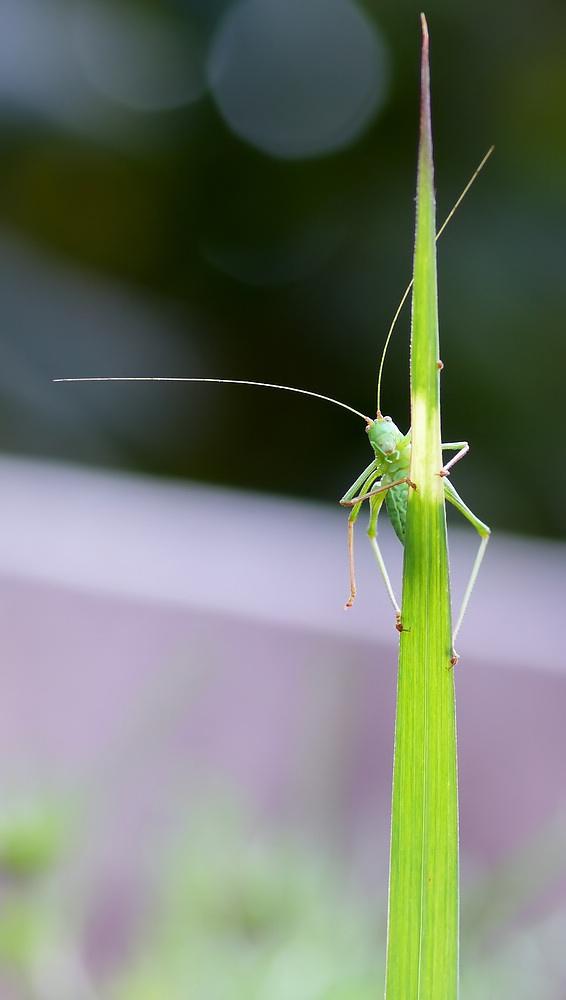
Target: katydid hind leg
(483, 531)
(471, 584)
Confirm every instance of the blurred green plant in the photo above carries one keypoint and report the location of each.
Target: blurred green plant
(242, 913)
(33, 833)
(31, 836)
(232, 909)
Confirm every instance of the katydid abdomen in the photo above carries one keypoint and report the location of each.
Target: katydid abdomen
(396, 504)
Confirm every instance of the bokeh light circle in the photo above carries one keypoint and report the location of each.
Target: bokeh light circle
(297, 78)
(135, 59)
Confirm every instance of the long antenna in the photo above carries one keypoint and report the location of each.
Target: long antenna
(223, 381)
(410, 285)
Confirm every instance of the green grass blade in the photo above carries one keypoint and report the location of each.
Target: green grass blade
(422, 945)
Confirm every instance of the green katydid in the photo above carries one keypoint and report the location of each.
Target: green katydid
(387, 477)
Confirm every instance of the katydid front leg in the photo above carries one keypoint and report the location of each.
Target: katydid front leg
(364, 481)
(462, 447)
(376, 498)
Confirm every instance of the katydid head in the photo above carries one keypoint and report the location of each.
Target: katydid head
(384, 436)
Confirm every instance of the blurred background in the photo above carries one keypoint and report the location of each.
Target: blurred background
(220, 188)
(195, 753)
